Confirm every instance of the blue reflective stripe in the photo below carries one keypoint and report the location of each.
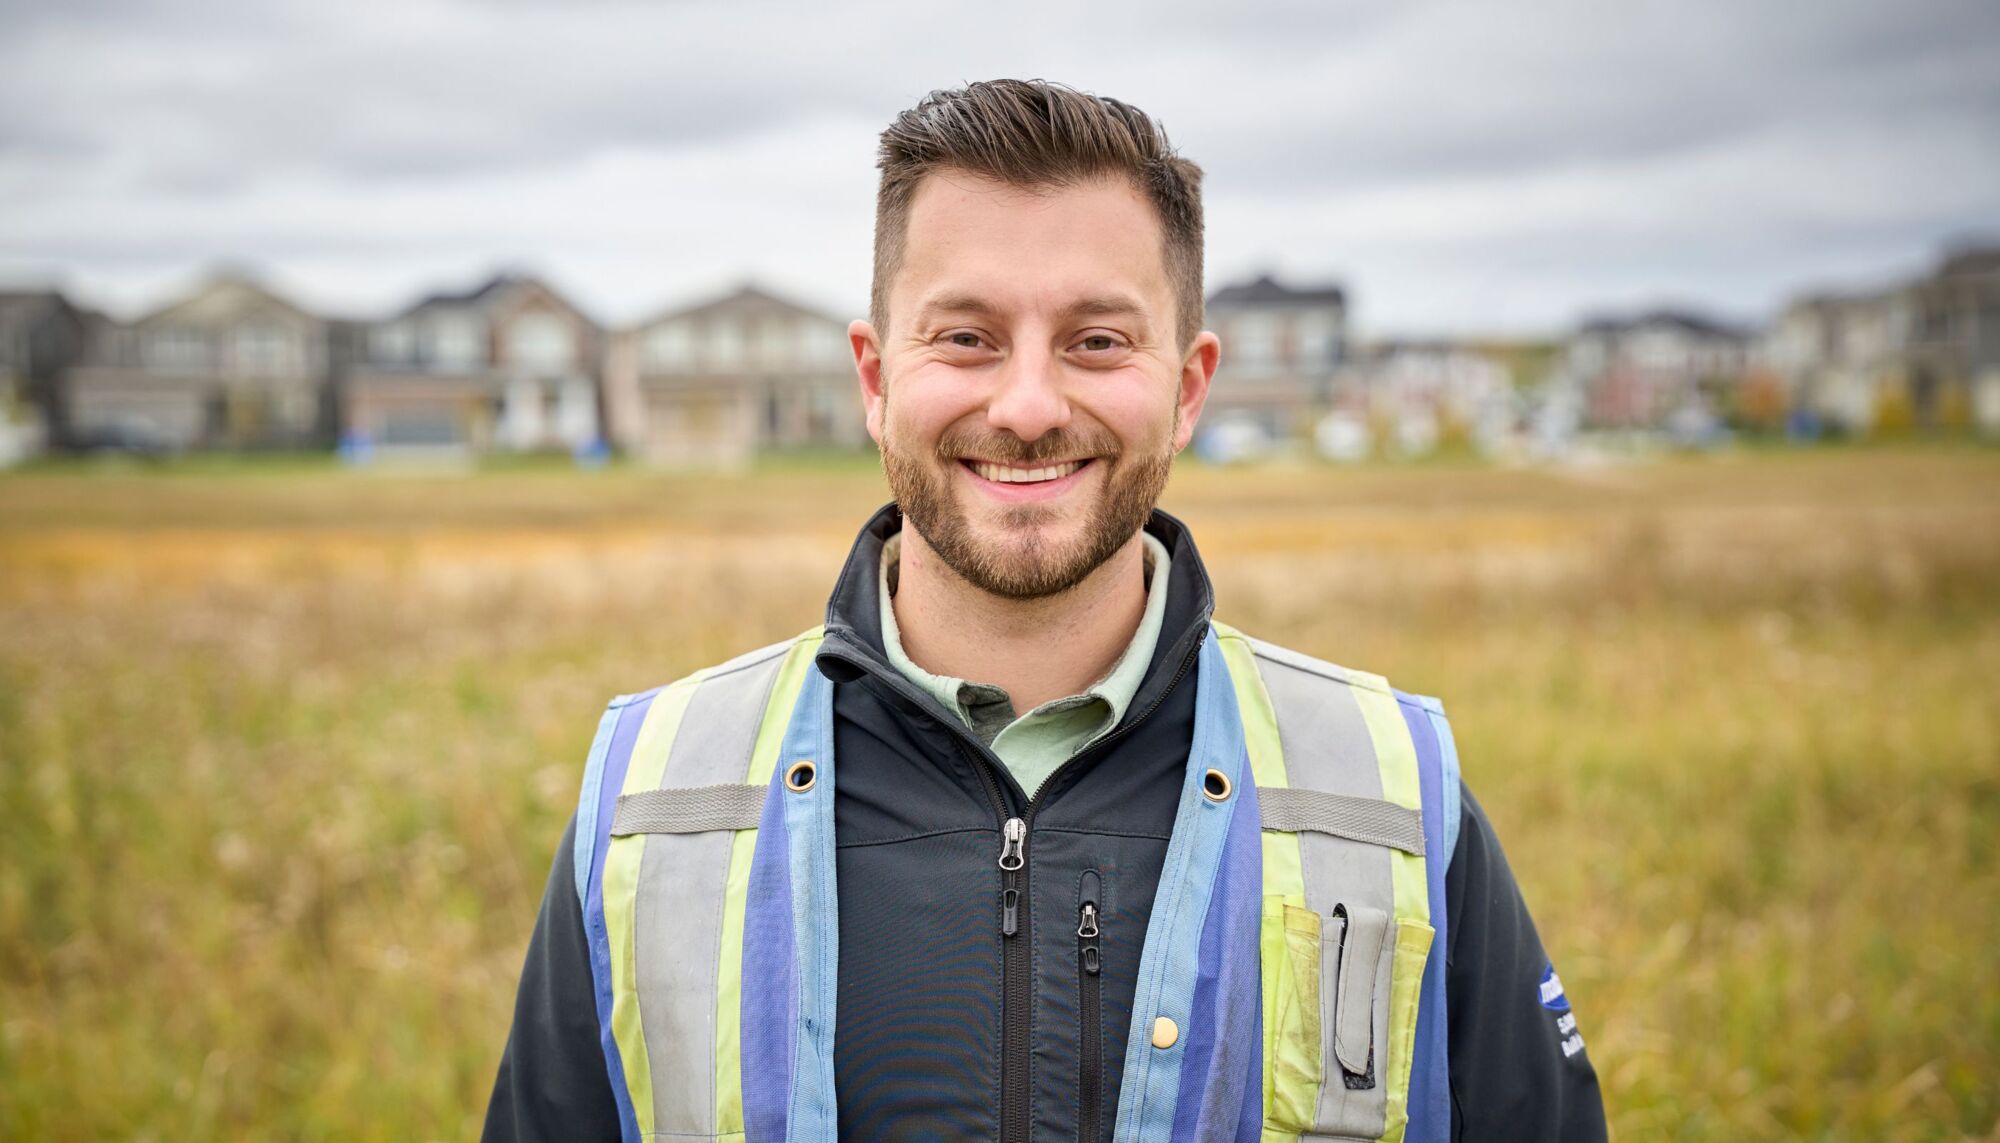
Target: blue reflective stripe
(603, 779)
(1430, 1088)
(769, 1003)
(815, 912)
(1222, 1074)
(1448, 764)
(1169, 964)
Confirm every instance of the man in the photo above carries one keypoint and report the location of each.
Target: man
(1018, 660)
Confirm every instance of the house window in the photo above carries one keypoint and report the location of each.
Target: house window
(541, 342)
(669, 348)
(1316, 334)
(178, 347)
(1254, 341)
(392, 344)
(821, 344)
(260, 348)
(456, 341)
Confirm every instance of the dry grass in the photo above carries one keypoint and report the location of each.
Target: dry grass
(284, 757)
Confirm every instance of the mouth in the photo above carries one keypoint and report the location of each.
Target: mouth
(1016, 474)
(1012, 482)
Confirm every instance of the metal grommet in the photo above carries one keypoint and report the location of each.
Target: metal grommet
(801, 777)
(1215, 786)
(1166, 1033)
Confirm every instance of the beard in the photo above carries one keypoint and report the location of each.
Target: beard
(1022, 561)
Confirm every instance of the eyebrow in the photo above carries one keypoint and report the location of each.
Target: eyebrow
(1102, 306)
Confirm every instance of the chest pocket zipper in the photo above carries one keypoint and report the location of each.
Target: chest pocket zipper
(1090, 1031)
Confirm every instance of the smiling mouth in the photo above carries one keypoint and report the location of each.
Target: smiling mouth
(1012, 474)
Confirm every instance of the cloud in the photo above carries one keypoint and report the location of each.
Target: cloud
(1463, 165)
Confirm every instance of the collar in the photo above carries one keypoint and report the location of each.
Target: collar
(1115, 689)
(853, 648)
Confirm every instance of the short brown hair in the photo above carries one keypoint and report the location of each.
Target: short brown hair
(1032, 133)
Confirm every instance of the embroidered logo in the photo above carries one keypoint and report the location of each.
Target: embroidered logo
(1551, 994)
(1552, 991)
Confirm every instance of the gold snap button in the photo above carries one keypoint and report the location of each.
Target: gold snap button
(1215, 786)
(1165, 1032)
(800, 777)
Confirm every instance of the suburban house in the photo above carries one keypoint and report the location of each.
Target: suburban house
(1955, 341)
(509, 365)
(232, 365)
(1924, 353)
(1842, 357)
(41, 336)
(1640, 372)
(1282, 348)
(719, 382)
(1424, 393)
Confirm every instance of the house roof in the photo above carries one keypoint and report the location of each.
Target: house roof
(224, 295)
(747, 299)
(22, 307)
(1971, 260)
(1268, 291)
(1683, 320)
(493, 294)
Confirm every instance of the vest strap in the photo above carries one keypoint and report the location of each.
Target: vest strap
(1295, 810)
(689, 809)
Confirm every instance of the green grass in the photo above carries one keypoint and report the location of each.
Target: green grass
(286, 754)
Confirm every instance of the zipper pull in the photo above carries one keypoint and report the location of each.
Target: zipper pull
(1010, 912)
(1086, 923)
(1013, 844)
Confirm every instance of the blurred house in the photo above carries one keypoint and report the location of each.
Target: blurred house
(510, 365)
(1841, 357)
(1923, 353)
(232, 365)
(1955, 341)
(720, 382)
(41, 336)
(1281, 350)
(1663, 367)
(1428, 392)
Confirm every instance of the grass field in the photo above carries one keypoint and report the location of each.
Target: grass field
(284, 755)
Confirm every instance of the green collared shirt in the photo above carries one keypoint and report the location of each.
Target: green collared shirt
(1034, 744)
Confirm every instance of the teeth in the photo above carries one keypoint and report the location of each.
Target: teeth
(1005, 475)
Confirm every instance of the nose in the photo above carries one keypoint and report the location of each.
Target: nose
(1029, 401)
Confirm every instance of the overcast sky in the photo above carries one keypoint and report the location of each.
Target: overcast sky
(1476, 167)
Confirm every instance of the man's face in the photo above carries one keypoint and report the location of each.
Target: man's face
(1028, 395)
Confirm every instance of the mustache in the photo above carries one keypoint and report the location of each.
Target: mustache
(1055, 445)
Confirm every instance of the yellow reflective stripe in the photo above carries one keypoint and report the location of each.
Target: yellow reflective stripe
(1284, 876)
(729, 964)
(622, 859)
(1396, 758)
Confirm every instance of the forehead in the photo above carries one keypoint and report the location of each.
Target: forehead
(1025, 249)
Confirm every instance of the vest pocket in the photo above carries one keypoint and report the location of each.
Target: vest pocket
(1342, 1015)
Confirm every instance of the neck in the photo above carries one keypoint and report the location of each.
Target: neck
(1034, 649)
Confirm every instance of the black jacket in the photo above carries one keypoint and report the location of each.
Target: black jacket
(946, 1028)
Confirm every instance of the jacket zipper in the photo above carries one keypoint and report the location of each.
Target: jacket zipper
(1016, 934)
(1090, 1033)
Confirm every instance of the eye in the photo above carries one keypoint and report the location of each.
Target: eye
(1099, 343)
(964, 339)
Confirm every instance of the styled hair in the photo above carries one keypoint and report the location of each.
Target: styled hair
(1035, 134)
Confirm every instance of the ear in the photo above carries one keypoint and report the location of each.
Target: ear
(1197, 370)
(867, 349)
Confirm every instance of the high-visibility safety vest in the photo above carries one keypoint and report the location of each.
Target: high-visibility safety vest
(1291, 983)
